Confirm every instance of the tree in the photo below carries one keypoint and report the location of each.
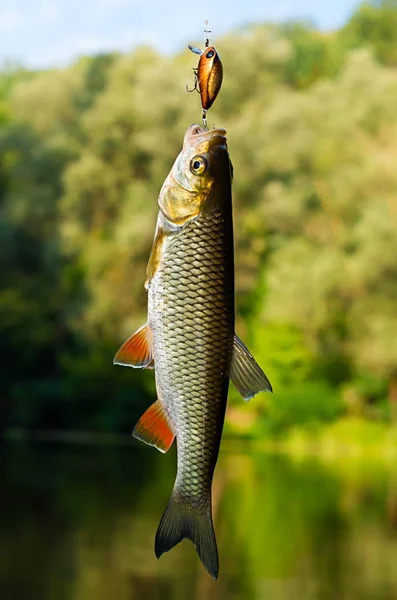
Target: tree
(332, 214)
(375, 24)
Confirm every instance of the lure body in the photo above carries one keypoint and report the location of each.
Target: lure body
(209, 76)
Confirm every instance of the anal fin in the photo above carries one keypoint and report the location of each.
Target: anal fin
(137, 351)
(154, 428)
(245, 372)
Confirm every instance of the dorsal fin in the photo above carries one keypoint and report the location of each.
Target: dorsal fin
(137, 351)
(154, 428)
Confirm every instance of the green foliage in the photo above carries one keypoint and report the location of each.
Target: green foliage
(312, 131)
(375, 24)
(307, 404)
(331, 214)
(314, 54)
(282, 349)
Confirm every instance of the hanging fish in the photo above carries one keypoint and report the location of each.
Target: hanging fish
(208, 75)
(189, 337)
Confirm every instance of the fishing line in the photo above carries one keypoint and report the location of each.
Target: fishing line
(207, 39)
(209, 72)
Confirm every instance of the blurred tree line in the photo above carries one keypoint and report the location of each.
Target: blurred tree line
(312, 129)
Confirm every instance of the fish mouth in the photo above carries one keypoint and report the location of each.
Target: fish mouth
(197, 135)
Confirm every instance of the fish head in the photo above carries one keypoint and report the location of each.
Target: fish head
(200, 167)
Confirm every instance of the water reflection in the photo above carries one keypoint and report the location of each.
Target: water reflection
(78, 523)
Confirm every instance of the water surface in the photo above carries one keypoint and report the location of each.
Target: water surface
(78, 523)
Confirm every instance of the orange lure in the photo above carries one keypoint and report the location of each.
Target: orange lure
(208, 75)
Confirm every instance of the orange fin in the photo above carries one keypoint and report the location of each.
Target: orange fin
(154, 428)
(137, 351)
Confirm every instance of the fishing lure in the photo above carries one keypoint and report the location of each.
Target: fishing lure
(208, 77)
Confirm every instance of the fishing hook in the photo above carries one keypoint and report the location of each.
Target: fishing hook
(195, 86)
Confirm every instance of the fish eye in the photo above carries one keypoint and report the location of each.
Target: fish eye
(198, 165)
(210, 54)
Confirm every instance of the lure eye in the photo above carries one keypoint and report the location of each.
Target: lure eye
(198, 165)
(210, 54)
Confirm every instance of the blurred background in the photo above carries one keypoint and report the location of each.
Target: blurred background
(93, 110)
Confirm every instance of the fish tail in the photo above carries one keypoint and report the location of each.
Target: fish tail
(183, 520)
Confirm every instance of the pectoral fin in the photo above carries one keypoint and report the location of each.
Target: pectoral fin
(155, 255)
(137, 351)
(245, 372)
(154, 428)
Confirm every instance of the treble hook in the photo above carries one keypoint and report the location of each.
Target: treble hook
(194, 88)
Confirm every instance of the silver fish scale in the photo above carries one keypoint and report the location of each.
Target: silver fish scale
(191, 314)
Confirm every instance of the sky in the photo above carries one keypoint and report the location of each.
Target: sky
(46, 33)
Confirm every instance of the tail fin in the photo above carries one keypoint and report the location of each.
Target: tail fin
(182, 520)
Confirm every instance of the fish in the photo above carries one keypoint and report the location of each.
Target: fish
(189, 338)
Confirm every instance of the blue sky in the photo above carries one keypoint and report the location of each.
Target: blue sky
(41, 33)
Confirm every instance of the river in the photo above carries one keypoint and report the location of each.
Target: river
(78, 523)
